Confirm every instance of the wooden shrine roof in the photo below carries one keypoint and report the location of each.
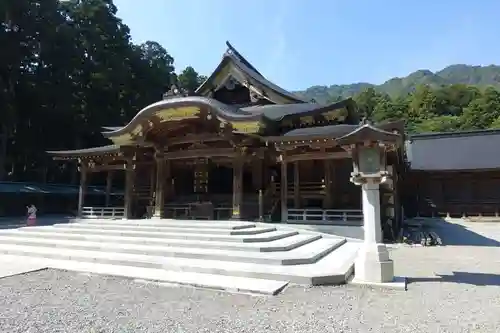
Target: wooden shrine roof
(233, 61)
(468, 150)
(168, 115)
(94, 151)
(334, 131)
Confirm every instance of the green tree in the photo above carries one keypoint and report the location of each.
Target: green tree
(367, 101)
(190, 80)
(66, 69)
(482, 112)
(445, 123)
(423, 103)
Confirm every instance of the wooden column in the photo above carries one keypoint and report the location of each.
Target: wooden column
(257, 169)
(261, 206)
(109, 183)
(333, 184)
(296, 185)
(160, 185)
(237, 187)
(152, 182)
(284, 189)
(328, 184)
(83, 186)
(167, 181)
(129, 187)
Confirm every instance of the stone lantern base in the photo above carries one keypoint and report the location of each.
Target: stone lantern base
(373, 264)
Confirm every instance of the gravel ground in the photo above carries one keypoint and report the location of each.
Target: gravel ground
(455, 289)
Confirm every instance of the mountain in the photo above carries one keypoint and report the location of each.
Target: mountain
(454, 74)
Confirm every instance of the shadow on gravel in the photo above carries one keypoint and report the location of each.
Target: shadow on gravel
(477, 279)
(18, 222)
(457, 234)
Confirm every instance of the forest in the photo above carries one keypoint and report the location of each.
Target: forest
(69, 68)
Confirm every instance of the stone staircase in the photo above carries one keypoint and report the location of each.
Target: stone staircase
(230, 255)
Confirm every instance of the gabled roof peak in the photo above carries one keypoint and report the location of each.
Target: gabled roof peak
(235, 65)
(232, 51)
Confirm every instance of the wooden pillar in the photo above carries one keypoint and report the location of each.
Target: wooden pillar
(296, 185)
(333, 184)
(167, 181)
(82, 189)
(261, 206)
(237, 187)
(160, 185)
(328, 184)
(152, 182)
(109, 183)
(284, 189)
(129, 187)
(257, 169)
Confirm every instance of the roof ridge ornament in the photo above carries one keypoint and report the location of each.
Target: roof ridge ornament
(365, 121)
(174, 92)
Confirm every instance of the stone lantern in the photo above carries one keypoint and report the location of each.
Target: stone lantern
(368, 147)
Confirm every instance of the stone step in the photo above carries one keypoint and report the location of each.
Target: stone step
(203, 280)
(245, 238)
(215, 224)
(188, 229)
(72, 240)
(334, 268)
(306, 254)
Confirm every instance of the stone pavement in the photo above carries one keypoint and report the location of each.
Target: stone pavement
(10, 266)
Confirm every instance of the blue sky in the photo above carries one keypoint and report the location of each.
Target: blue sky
(300, 43)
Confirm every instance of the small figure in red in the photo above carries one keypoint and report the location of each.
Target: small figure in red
(31, 215)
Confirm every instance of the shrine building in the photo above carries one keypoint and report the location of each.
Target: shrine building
(241, 148)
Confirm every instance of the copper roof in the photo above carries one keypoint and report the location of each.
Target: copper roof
(235, 58)
(85, 151)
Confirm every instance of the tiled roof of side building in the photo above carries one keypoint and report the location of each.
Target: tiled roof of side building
(339, 130)
(334, 131)
(468, 150)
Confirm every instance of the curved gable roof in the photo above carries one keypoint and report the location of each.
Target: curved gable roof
(234, 58)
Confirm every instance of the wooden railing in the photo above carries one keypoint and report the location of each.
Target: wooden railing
(142, 191)
(184, 211)
(325, 216)
(305, 188)
(103, 212)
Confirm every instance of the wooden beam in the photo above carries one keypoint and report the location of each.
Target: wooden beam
(100, 168)
(314, 144)
(192, 138)
(200, 153)
(317, 156)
